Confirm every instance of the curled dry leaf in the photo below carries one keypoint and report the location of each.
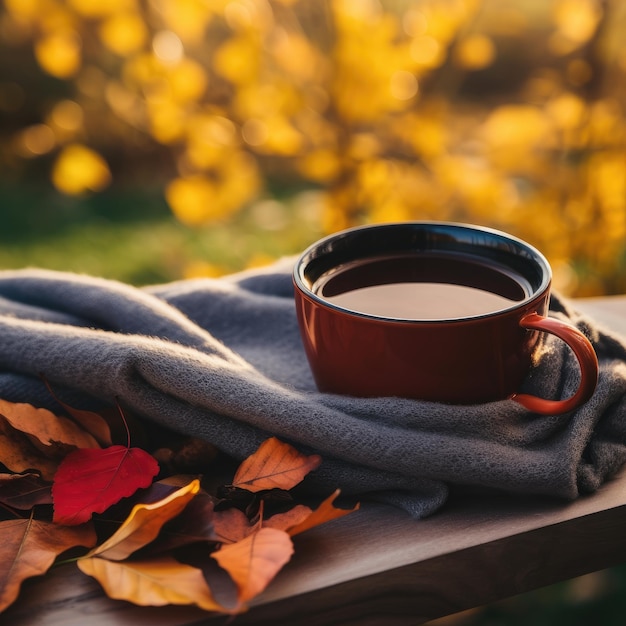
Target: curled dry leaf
(18, 453)
(144, 524)
(325, 512)
(275, 465)
(29, 547)
(170, 517)
(301, 518)
(90, 481)
(153, 582)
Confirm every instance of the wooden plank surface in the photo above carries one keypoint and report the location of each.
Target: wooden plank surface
(378, 566)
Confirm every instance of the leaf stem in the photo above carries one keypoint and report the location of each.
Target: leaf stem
(119, 408)
(74, 559)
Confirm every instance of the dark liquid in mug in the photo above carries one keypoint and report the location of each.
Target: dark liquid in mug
(423, 286)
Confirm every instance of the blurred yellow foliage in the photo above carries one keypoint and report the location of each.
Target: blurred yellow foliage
(78, 169)
(507, 114)
(124, 33)
(475, 52)
(59, 53)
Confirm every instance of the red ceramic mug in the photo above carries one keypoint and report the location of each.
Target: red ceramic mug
(434, 311)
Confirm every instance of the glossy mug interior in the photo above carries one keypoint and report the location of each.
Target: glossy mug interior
(430, 310)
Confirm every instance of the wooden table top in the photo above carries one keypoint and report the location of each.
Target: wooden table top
(378, 566)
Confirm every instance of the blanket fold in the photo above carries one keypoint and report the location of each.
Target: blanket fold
(222, 359)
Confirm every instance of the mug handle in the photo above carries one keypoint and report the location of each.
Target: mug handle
(587, 360)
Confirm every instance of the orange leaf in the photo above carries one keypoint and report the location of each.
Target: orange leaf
(90, 481)
(231, 525)
(288, 519)
(19, 454)
(144, 524)
(45, 427)
(275, 465)
(254, 561)
(325, 512)
(92, 422)
(153, 582)
(29, 547)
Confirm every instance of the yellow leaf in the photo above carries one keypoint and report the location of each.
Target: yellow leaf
(254, 561)
(79, 169)
(144, 524)
(153, 582)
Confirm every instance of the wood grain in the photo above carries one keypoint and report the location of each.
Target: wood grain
(379, 567)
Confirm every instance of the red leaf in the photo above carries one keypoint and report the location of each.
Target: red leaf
(91, 480)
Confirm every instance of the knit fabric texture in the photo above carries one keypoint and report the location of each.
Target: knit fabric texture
(222, 359)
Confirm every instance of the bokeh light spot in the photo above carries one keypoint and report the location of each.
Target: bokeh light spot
(36, 140)
(168, 47)
(79, 169)
(403, 85)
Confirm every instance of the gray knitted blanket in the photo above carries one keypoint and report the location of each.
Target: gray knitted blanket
(221, 359)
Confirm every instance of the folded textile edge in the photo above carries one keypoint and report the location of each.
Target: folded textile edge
(222, 359)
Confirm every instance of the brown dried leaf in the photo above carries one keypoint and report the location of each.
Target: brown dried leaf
(275, 465)
(18, 453)
(94, 423)
(293, 517)
(29, 547)
(231, 525)
(45, 427)
(24, 491)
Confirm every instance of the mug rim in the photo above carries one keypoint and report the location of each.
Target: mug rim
(321, 247)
